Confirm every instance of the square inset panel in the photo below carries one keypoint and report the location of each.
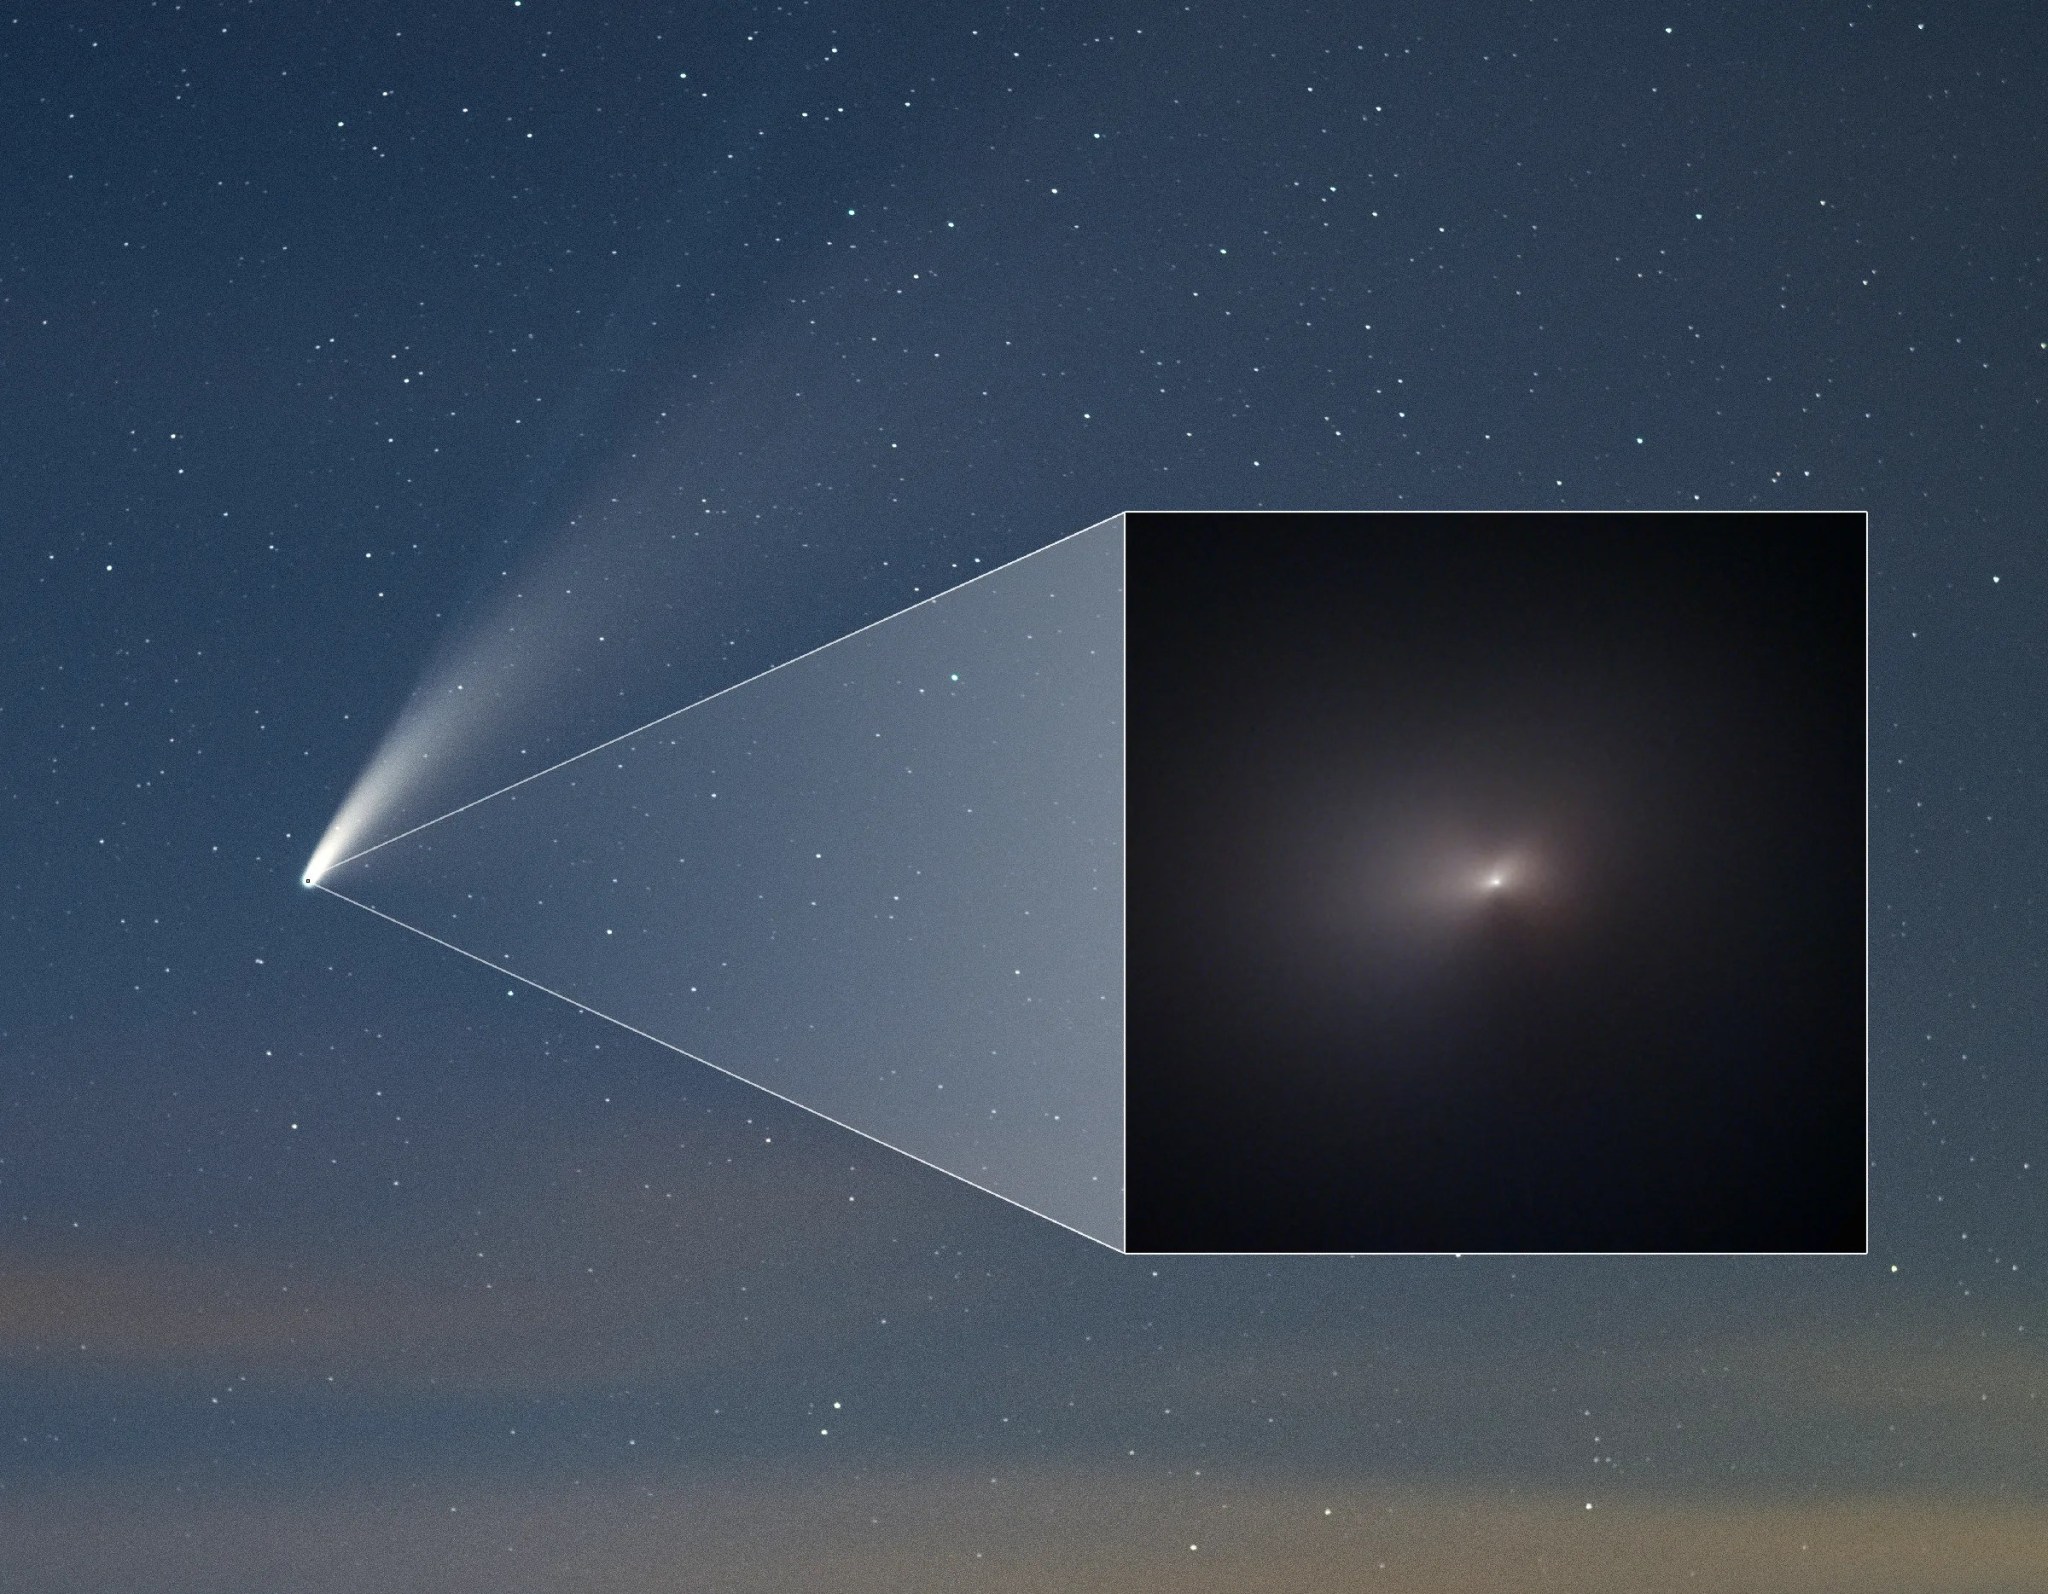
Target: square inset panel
(1496, 882)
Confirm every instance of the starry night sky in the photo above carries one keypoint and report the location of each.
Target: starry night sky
(327, 332)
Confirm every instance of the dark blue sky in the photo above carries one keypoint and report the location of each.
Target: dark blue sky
(325, 1264)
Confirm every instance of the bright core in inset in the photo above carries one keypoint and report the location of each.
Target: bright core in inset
(1500, 877)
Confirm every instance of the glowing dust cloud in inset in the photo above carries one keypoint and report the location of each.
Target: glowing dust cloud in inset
(1496, 882)
(883, 881)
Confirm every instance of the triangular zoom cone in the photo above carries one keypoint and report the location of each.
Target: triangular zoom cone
(884, 881)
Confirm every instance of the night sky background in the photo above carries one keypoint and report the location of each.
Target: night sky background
(325, 1264)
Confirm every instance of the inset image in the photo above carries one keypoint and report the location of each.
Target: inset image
(1496, 882)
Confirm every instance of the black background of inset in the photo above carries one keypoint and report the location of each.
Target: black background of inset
(1578, 1102)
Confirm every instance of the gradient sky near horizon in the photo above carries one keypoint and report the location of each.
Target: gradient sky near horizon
(331, 336)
